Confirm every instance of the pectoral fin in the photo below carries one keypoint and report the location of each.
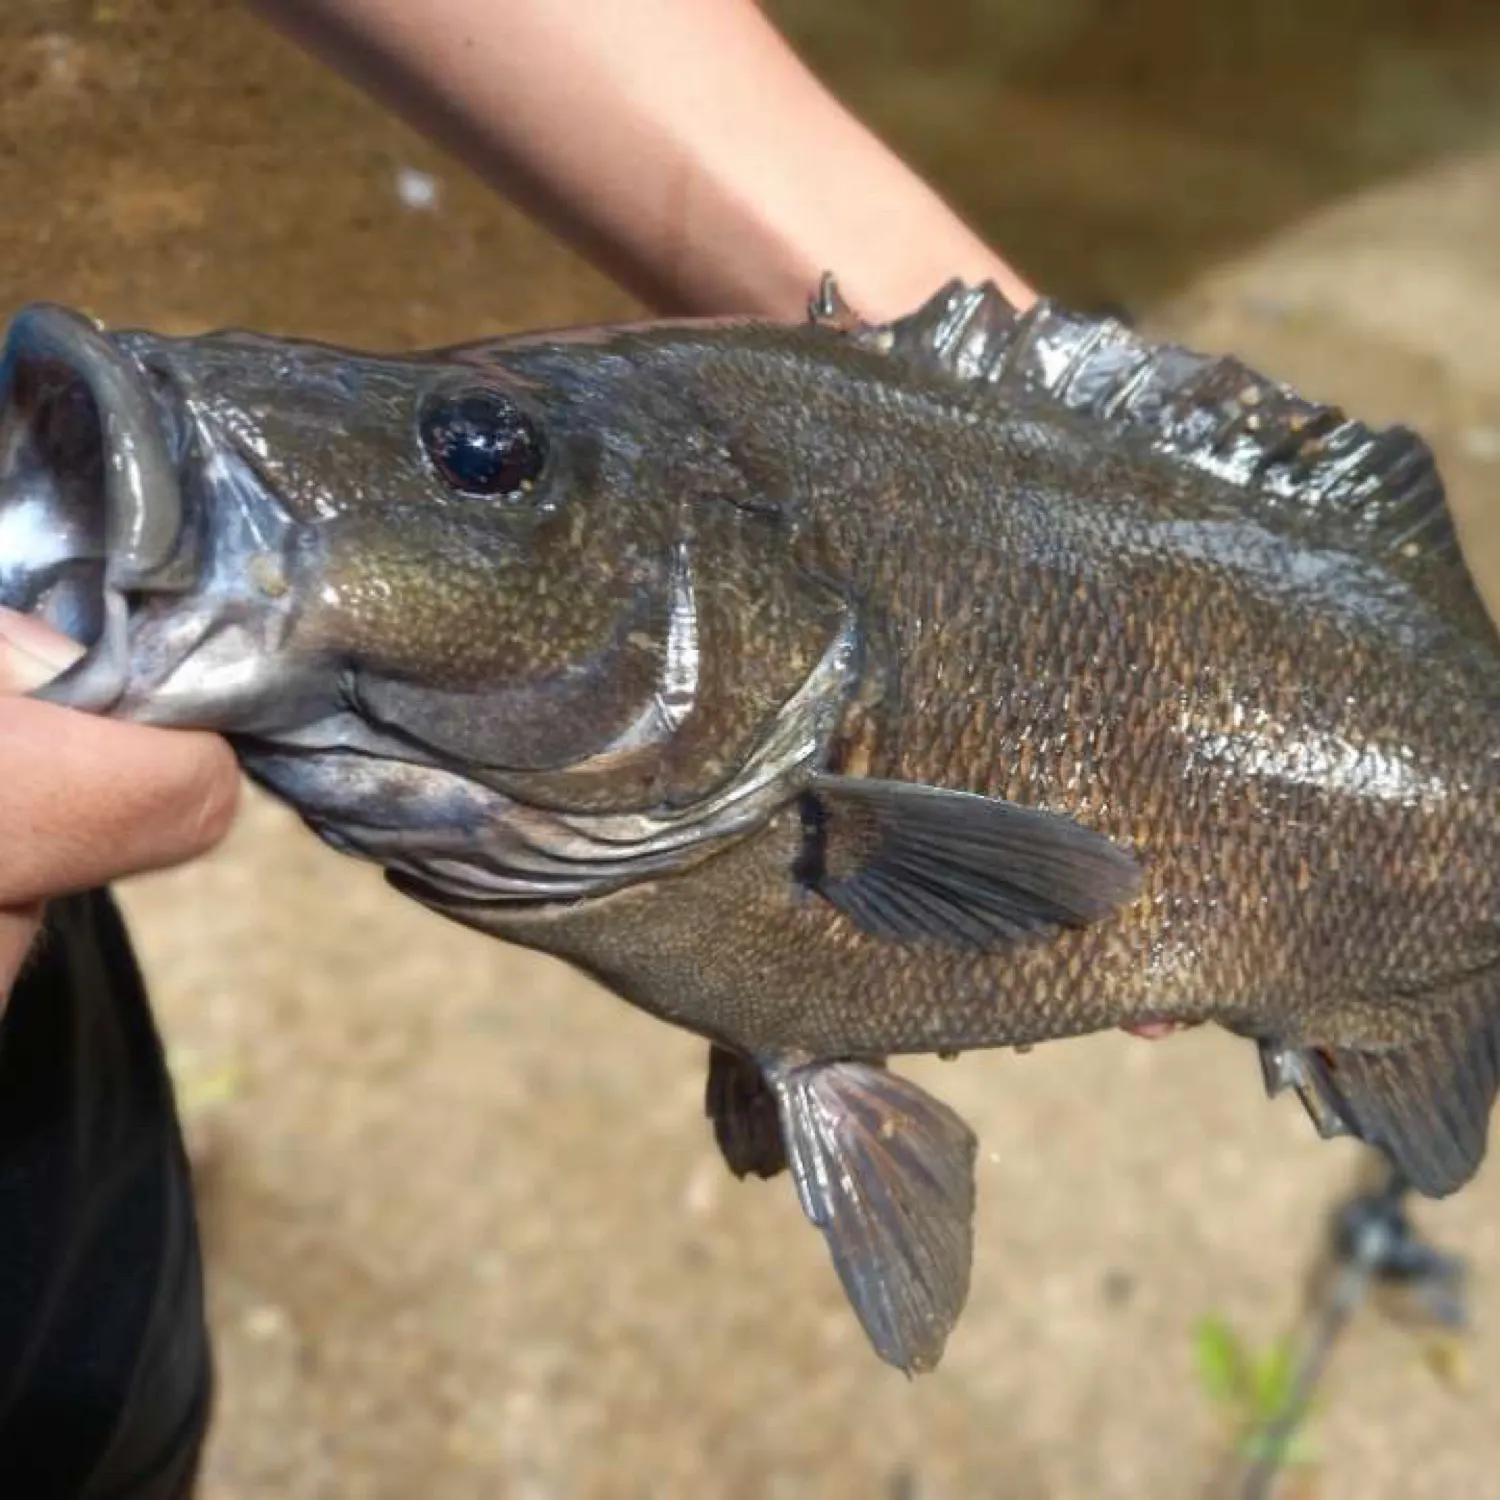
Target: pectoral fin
(912, 862)
(886, 1172)
(1425, 1104)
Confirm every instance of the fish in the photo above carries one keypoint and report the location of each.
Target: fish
(836, 691)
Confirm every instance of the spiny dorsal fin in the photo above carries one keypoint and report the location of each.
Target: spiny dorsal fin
(1304, 467)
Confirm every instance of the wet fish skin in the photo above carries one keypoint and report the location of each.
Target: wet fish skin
(1070, 626)
(840, 692)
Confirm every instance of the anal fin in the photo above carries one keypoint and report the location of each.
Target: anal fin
(1293, 1068)
(886, 1172)
(1425, 1104)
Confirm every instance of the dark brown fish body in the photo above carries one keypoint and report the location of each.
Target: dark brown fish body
(834, 692)
(1301, 746)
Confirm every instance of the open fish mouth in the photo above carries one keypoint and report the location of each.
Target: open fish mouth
(92, 514)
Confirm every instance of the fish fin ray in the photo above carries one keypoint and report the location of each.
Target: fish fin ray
(912, 863)
(1302, 465)
(1427, 1104)
(886, 1173)
(827, 308)
(742, 1106)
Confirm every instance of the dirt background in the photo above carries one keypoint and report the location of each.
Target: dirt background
(468, 1235)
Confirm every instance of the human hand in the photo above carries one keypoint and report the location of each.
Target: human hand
(85, 800)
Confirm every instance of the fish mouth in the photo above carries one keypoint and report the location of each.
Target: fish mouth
(92, 514)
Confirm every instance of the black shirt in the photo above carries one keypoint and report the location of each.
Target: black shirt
(105, 1370)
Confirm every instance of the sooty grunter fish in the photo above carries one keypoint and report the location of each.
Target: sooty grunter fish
(833, 691)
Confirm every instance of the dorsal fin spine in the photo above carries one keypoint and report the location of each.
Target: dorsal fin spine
(1296, 463)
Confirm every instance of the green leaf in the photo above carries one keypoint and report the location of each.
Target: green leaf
(1223, 1368)
(1273, 1380)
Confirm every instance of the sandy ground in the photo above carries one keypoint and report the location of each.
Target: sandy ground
(468, 1234)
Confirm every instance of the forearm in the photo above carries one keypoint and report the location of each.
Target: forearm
(679, 144)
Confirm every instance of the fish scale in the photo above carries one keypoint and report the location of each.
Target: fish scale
(837, 692)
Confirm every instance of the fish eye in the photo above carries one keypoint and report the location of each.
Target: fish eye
(482, 442)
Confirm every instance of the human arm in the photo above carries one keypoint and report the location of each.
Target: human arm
(680, 145)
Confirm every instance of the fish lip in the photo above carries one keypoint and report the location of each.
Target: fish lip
(143, 522)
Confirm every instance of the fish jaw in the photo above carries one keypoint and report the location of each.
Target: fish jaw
(125, 527)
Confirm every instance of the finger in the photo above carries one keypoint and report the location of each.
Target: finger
(30, 653)
(84, 801)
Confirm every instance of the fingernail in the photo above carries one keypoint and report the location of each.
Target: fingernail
(31, 653)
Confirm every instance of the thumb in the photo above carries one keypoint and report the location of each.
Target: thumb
(87, 799)
(31, 653)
